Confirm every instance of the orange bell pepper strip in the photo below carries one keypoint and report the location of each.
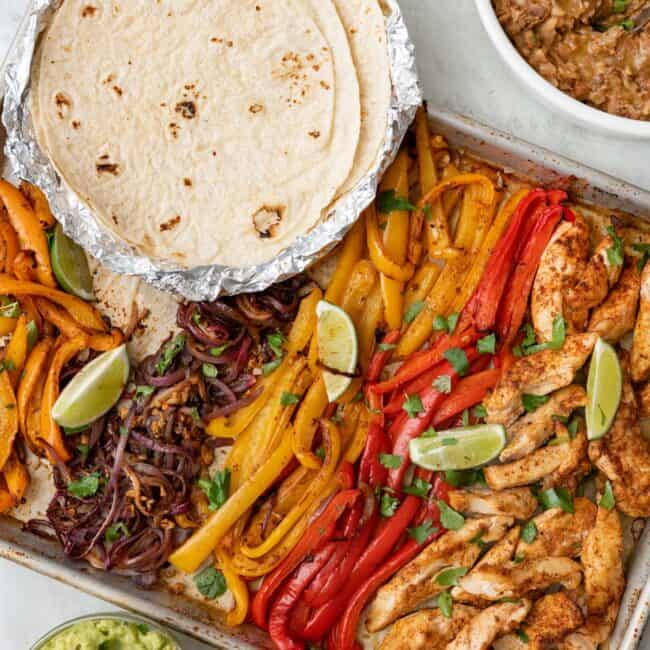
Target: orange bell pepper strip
(24, 269)
(7, 325)
(16, 352)
(11, 245)
(50, 430)
(351, 253)
(59, 317)
(85, 314)
(105, 342)
(384, 263)
(26, 223)
(6, 501)
(197, 548)
(34, 372)
(8, 419)
(39, 203)
(16, 477)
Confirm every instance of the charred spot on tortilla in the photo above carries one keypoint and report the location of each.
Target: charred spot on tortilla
(186, 109)
(255, 108)
(174, 129)
(171, 224)
(314, 134)
(63, 104)
(118, 91)
(89, 11)
(76, 125)
(267, 219)
(187, 182)
(107, 168)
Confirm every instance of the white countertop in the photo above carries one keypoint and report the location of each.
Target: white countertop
(461, 72)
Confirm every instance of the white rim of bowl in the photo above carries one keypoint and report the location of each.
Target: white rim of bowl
(113, 616)
(564, 102)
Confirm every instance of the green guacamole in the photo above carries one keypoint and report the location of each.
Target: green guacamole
(109, 634)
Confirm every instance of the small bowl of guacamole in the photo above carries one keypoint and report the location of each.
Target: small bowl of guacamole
(107, 632)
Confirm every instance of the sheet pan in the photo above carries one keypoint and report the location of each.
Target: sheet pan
(185, 615)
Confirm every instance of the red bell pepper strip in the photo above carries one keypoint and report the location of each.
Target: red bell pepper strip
(469, 392)
(415, 386)
(319, 531)
(380, 359)
(482, 306)
(289, 595)
(555, 197)
(419, 363)
(370, 469)
(346, 475)
(515, 298)
(379, 548)
(340, 550)
(299, 617)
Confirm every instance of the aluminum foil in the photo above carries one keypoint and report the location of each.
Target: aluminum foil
(27, 161)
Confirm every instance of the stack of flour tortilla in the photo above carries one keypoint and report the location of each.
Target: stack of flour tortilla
(212, 131)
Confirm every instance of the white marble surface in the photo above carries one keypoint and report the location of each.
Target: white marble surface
(461, 72)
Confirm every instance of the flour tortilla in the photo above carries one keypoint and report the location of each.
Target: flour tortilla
(189, 126)
(365, 26)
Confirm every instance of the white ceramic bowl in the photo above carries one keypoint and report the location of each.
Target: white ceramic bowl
(592, 117)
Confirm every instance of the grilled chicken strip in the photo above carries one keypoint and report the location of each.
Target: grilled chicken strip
(500, 554)
(602, 559)
(559, 533)
(566, 283)
(595, 631)
(623, 455)
(427, 629)
(551, 618)
(640, 358)
(515, 580)
(616, 316)
(416, 583)
(518, 503)
(491, 623)
(537, 374)
(551, 463)
(643, 395)
(532, 430)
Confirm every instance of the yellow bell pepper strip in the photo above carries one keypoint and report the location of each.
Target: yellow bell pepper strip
(481, 258)
(421, 283)
(8, 418)
(332, 445)
(50, 430)
(26, 224)
(34, 372)
(60, 318)
(305, 323)
(369, 322)
(305, 424)
(16, 477)
(197, 548)
(39, 203)
(11, 246)
(379, 254)
(357, 444)
(7, 325)
(85, 314)
(351, 253)
(16, 352)
(237, 587)
(360, 284)
(477, 210)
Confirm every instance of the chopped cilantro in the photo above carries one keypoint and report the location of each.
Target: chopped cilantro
(386, 347)
(449, 577)
(428, 214)
(217, 488)
(443, 384)
(391, 461)
(116, 531)
(288, 399)
(276, 341)
(556, 498)
(644, 249)
(271, 366)
(211, 583)
(413, 406)
(419, 488)
(529, 532)
(209, 370)
(86, 486)
(533, 402)
(169, 353)
(479, 411)
(487, 345)
(449, 518)
(413, 311)
(458, 359)
(421, 533)
(388, 202)
(607, 501)
(388, 504)
(442, 324)
(446, 604)
(615, 252)
(144, 390)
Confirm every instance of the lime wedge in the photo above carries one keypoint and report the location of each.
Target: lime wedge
(70, 266)
(338, 348)
(604, 387)
(94, 390)
(461, 448)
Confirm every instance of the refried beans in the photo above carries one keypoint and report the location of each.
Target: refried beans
(586, 48)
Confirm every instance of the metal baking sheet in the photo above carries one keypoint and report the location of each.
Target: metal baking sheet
(185, 615)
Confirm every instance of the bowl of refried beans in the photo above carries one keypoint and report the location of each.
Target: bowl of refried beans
(588, 58)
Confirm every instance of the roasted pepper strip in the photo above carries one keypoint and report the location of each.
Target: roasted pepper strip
(16, 477)
(24, 269)
(26, 223)
(60, 318)
(16, 352)
(11, 246)
(306, 423)
(305, 323)
(105, 342)
(50, 430)
(193, 553)
(86, 315)
(384, 263)
(8, 419)
(351, 253)
(237, 587)
(39, 203)
(319, 532)
(381, 357)
(332, 445)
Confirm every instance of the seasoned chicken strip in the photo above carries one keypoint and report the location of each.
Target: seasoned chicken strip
(574, 463)
(595, 631)
(416, 583)
(427, 629)
(537, 374)
(623, 455)
(551, 618)
(602, 559)
(566, 283)
(643, 395)
(559, 533)
(491, 623)
(616, 316)
(518, 503)
(515, 580)
(640, 358)
(532, 430)
(499, 555)
(552, 462)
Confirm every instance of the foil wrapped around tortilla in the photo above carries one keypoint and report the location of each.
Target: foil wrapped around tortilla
(27, 161)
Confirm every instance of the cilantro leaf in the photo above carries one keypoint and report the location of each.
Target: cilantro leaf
(288, 399)
(449, 518)
(443, 384)
(458, 359)
(463, 477)
(209, 370)
(479, 411)
(429, 433)
(169, 353)
(86, 486)
(144, 390)
(607, 501)
(391, 461)
(217, 488)
(83, 451)
(418, 488)
(556, 498)
(413, 406)
(388, 504)
(276, 341)
(446, 604)
(421, 533)
(428, 214)
(218, 351)
(116, 531)
(413, 311)
(10, 310)
(449, 577)
(523, 637)
(211, 583)
(442, 324)
(388, 202)
(529, 532)
(615, 252)
(386, 347)
(271, 366)
(32, 335)
(487, 345)
(533, 402)
(644, 249)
